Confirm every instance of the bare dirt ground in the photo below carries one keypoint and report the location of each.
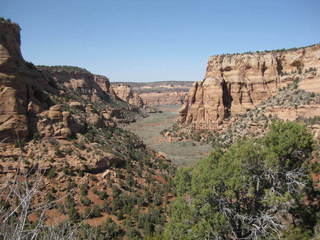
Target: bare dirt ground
(184, 153)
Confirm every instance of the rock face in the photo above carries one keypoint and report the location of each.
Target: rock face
(59, 129)
(126, 93)
(87, 85)
(31, 97)
(13, 96)
(21, 85)
(160, 93)
(104, 83)
(236, 83)
(163, 98)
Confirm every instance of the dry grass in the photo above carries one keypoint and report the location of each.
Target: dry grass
(181, 153)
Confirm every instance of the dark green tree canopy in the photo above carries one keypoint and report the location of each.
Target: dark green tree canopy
(245, 191)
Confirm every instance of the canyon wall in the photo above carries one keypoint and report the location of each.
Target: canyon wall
(38, 100)
(126, 93)
(159, 93)
(237, 83)
(59, 130)
(163, 98)
(23, 90)
(87, 85)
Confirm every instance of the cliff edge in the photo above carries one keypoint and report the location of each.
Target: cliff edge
(237, 83)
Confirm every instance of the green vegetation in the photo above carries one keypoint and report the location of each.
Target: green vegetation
(8, 21)
(92, 212)
(181, 153)
(268, 51)
(68, 69)
(251, 190)
(253, 123)
(73, 214)
(52, 173)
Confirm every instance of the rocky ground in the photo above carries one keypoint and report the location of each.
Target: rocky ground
(60, 136)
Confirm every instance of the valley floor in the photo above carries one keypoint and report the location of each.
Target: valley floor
(184, 153)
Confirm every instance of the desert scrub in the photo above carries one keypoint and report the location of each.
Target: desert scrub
(92, 212)
(243, 183)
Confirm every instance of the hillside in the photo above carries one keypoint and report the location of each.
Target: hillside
(59, 136)
(81, 159)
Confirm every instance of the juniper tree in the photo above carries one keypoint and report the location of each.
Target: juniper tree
(245, 191)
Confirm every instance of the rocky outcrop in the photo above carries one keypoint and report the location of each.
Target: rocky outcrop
(236, 83)
(59, 133)
(104, 83)
(22, 93)
(160, 93)
(126, 93)
(163, 98)
(87, 85)
(30, 96)
(55, 123)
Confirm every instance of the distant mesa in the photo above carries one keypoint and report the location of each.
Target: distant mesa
(158, 93)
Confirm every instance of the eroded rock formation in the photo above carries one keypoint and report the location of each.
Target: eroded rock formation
(30, 96)
(59, 130)
(87, 85)
(160, 93)
(236, 83)
(163, 98)
(126, 93)
(22, 87)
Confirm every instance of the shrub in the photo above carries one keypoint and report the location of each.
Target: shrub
(52, 173)
(73, 214)
(238, 193)
(92, 212)
(102, 195)
(85, 201)
(69, 202)
(71, 185)
(84, 189)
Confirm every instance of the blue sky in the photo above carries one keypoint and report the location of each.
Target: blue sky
(149, 40)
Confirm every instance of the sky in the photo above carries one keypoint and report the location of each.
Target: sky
(163, 40)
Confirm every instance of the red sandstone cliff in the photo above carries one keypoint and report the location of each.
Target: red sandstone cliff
(22, 87)
(236, 83)
(126, 93)
(38, 100)
(87, 85)
(158, 93)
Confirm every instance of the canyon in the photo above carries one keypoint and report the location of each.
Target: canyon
(61, 132)
(237, 83)
(105, 154)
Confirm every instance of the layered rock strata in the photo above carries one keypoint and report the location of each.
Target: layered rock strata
(126, 93)
(234, 84)
(160, 93)
(22, 88)
(163, 98)
(34, 100)
(87, 85)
